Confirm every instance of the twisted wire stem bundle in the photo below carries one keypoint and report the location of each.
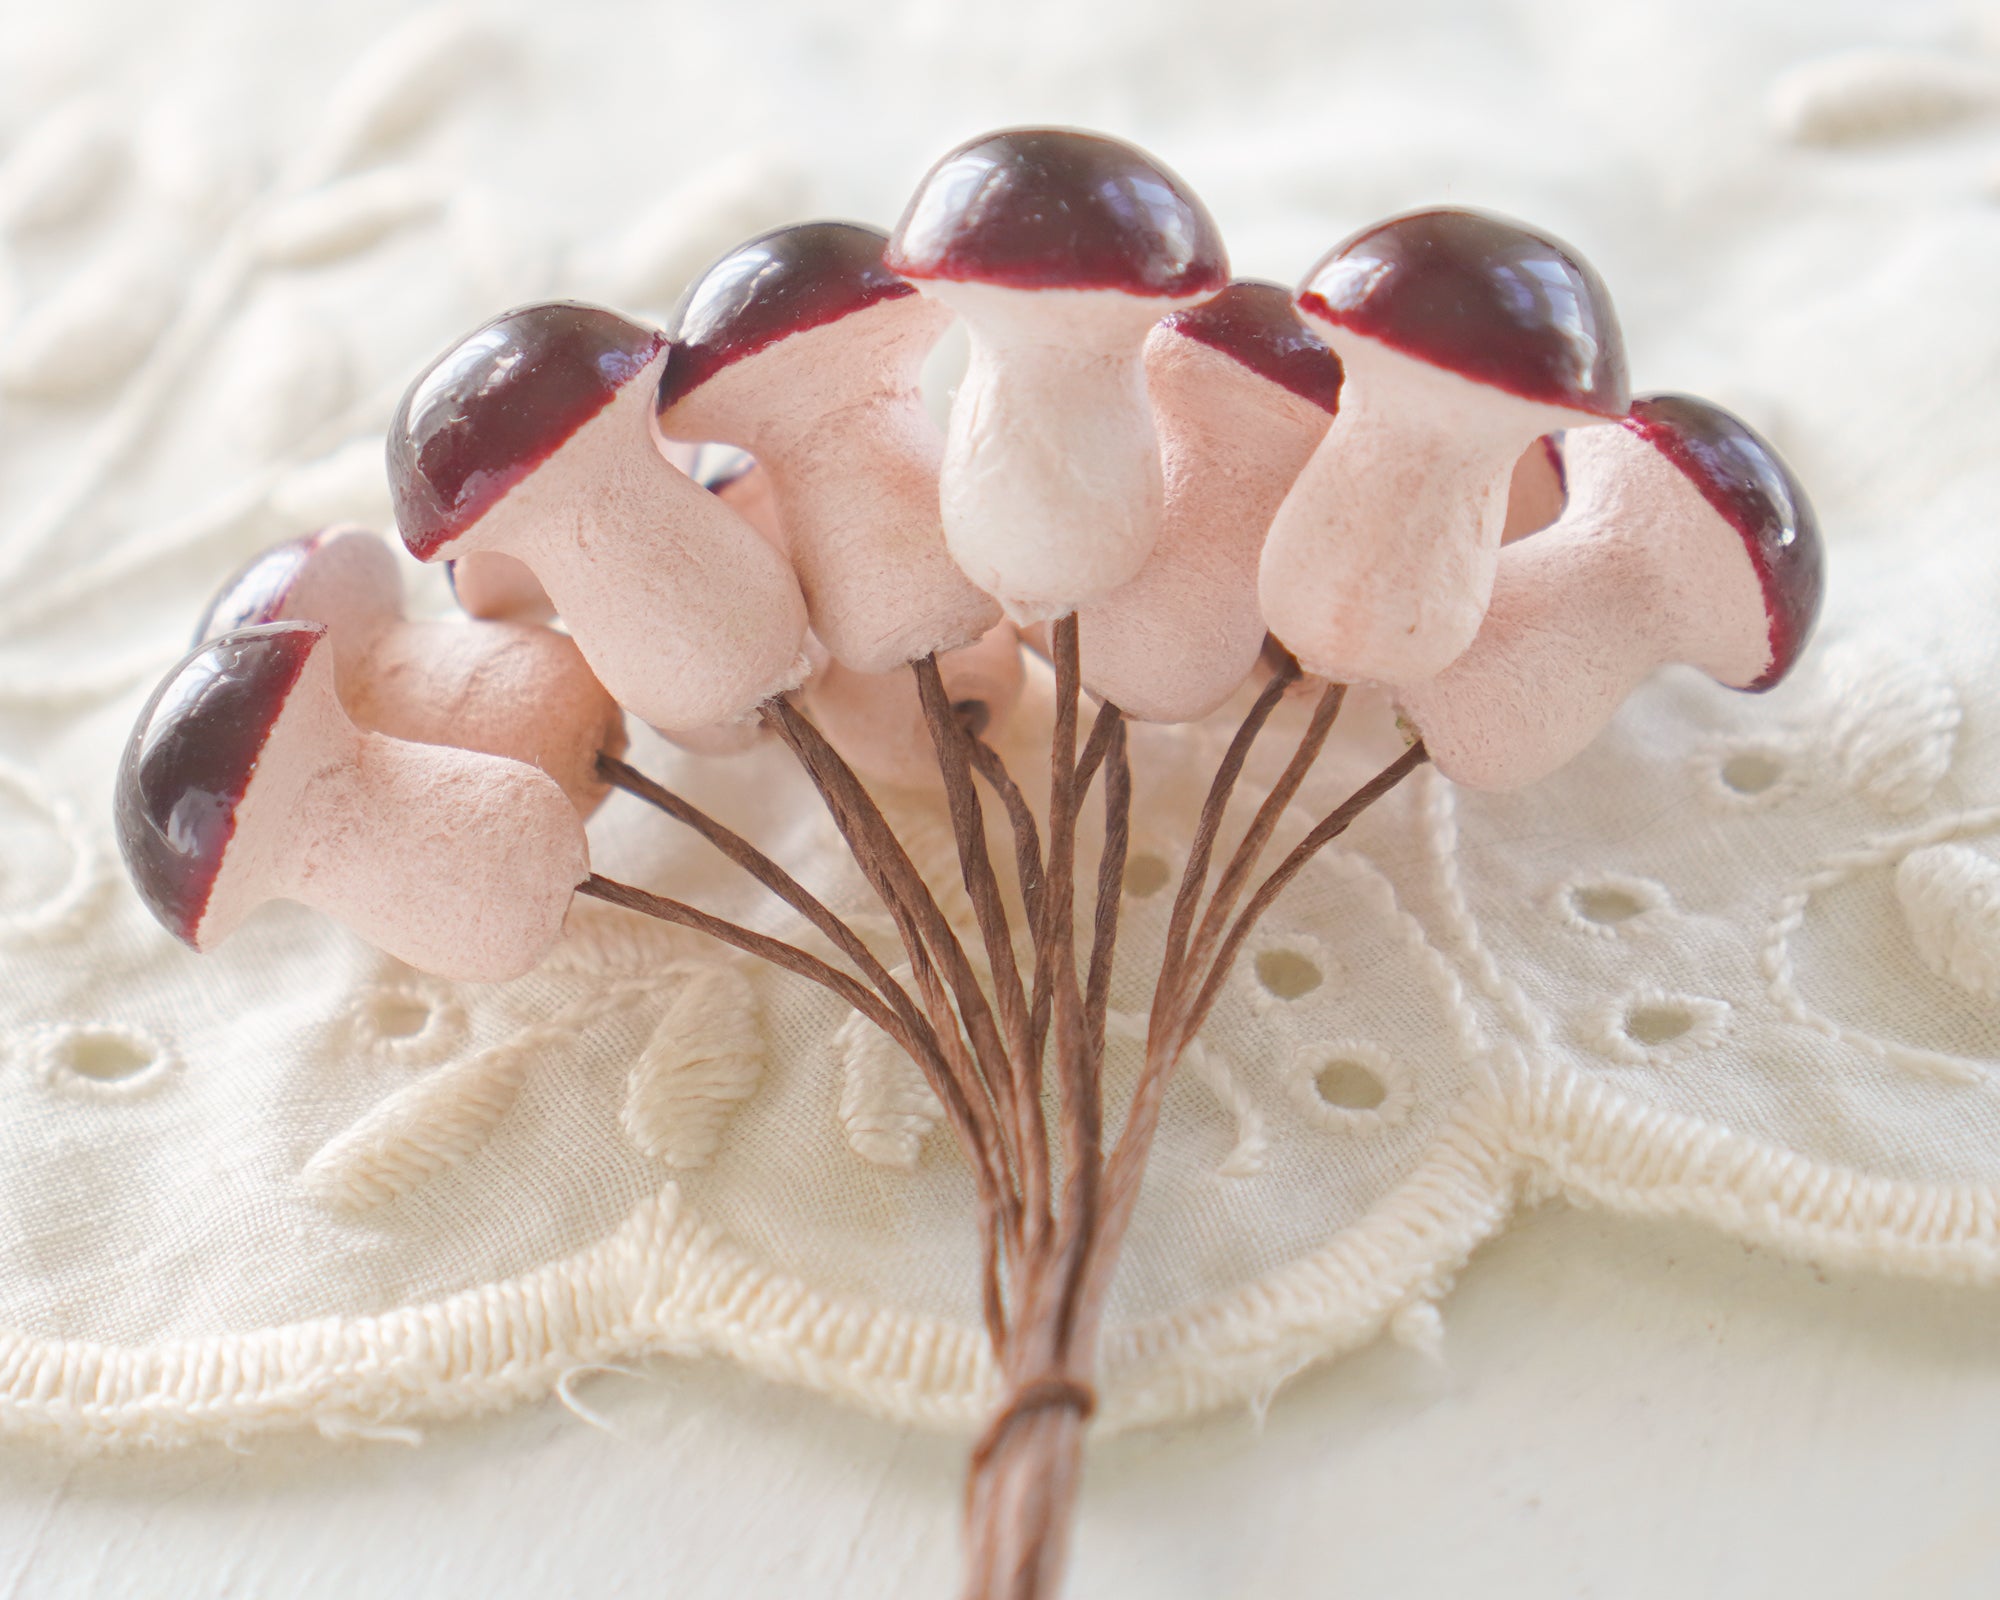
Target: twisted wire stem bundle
(1047, 1257)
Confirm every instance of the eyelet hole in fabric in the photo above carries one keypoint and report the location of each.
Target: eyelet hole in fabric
(1288, 974)
(106, 1057)
(1146, 874)
(100, 1061)
(1752, 772)
(1657, 1024)
(399, 1016)
(1349, 1085)
(416, 1023)
(1749, 774)
(1609, 905)
(1651, 1026)
(1604, 904)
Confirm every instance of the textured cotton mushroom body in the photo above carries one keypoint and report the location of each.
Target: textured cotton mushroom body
(533, 437)
(1686, 539)
(1059, 251)
(245, 781)
(499, 588)
(876, 719)
(1242, 392)
(802, 348)
(1464, 338)
(505, 688)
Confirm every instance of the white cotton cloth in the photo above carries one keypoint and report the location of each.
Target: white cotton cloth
(1736, 963)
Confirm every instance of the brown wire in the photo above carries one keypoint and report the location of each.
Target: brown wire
(982, 886)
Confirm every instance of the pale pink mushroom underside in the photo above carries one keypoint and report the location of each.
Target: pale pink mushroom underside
(1176, 641)
(504, 688)
(461, 864)
(876, 720)
(1639, 571)
(835, 420)
(1380, 560)
(499, 588)
(685, 614)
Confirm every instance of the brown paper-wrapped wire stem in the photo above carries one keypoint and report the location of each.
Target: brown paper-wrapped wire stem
(1047, 1260)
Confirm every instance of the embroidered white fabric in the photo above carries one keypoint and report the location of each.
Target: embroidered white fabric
(1739, 962)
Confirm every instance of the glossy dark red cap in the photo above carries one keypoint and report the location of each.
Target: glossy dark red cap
(499, 403)
(1482, 297)
(1051, 208)
(778, 284)
(259, 589)
(1254, 324)
(190, 760)
(1748, 483)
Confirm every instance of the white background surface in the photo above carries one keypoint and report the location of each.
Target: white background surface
(1626, 1409)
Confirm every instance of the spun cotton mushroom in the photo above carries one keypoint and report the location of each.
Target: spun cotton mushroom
(533, 436)
(876, 719)
(1243, 392)
(499, 588)
(1686, 539)
(1464, 338)
(1059, 250)
(802, 348)
(505, 688)
(245, 781)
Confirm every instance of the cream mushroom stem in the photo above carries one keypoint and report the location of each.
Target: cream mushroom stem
(1639, 571)
(513, 689)
(1051, 486)
(1380, 560)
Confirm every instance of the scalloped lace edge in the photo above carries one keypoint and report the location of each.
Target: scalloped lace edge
(665, 1283)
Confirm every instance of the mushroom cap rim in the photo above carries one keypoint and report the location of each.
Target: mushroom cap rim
(1313, 306)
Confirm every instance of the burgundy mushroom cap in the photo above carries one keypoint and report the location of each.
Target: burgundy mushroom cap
(1751, 488)
(1254, 324)
(777, 284)
(190, 760)
(1480, 296)
(499, 403)
(257, 591)
(1052, 208)
(326, 576)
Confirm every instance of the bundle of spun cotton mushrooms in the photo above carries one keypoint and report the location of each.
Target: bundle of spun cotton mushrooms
(1175, 486)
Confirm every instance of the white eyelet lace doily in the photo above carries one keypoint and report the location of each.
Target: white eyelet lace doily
(1740, 962)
